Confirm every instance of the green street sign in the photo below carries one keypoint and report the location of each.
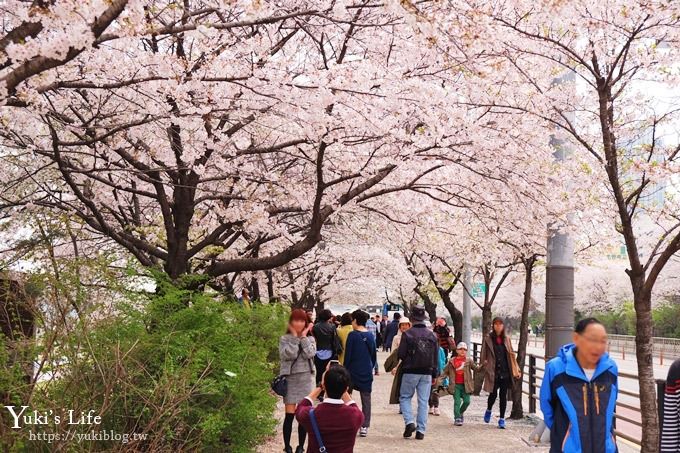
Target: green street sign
(478, 290)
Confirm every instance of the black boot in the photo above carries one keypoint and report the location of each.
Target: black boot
(288, 450)
(300, 449)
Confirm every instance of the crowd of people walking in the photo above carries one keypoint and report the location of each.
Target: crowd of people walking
(339, 354)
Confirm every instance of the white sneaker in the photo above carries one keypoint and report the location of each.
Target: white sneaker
(363, 432)
(432, 411)
(436, 411)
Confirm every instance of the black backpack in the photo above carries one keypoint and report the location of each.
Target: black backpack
(421, 350)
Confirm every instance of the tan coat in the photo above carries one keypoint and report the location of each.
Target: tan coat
(391, 363)
(396, 340)
(450, 372)
(488, 361)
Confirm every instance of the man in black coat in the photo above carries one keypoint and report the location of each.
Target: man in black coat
(390, 331)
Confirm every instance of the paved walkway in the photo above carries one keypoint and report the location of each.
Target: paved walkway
(387, 426)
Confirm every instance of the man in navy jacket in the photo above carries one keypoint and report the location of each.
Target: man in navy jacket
(390, 331)
(579, 391)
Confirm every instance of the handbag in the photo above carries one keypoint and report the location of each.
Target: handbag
(317, 434)
(280, 385)
(516, 373)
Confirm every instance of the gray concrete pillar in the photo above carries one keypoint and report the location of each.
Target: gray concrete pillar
(467, 306)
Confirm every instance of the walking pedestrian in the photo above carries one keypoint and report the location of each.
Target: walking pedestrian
(383, 326)
(391, 331)
(326, 343)
(579, 391)
(419, 355)
(338, 418)
(373, 329)
(404, 325)
(500, 367)
(360, 358)
(392, 363)
(296, 350)
(434, 394)
(670, 424)
(379, 331)
(343, 331)
(459, 373)
(443, 335)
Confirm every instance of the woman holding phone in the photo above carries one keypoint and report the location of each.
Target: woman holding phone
(296, 350)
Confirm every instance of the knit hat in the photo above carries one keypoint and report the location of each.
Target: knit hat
(404, 320)
(462, 345)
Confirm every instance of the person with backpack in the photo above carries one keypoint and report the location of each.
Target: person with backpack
(360, 359)
(670, 423)
(337, 419)
(296, 350)
(419, 355)
(461, 385)
(579, 391)
(327, 343)
(500, 368)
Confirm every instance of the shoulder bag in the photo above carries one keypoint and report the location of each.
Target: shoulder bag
(317, 433)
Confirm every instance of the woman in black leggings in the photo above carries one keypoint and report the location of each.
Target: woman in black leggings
(497, 357)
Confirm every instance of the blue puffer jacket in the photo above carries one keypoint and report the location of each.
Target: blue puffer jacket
(579, 412)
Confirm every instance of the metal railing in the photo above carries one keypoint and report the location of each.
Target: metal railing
(665, 349)
(533, 373)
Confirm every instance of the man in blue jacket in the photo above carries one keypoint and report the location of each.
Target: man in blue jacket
(578, 393)
(390, 331)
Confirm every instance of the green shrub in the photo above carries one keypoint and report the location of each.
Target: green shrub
(189, 369)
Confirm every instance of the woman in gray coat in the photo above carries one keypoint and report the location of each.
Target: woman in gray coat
(296, 351)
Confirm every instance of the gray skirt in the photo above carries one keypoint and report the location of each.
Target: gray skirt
(299, 386)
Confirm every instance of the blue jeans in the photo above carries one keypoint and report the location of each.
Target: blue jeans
(422, 385)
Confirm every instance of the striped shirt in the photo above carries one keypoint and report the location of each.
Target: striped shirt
(670, 425)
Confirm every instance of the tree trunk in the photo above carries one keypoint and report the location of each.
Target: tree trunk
(319, 303)
(486, 320)
(431, 309)
(17, 325)
(486, 328)
(270, 287)
(255, 290)
(645, 356)
(456, 317)
(517, 409)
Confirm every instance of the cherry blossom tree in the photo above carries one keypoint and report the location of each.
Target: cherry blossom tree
(221, 139)
(595, 77)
